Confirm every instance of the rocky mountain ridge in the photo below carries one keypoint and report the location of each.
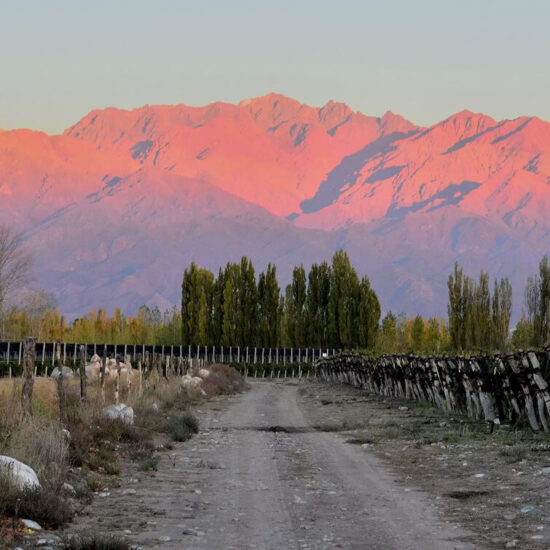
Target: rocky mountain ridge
(118, 205)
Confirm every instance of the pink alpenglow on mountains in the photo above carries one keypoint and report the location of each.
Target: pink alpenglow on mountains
(117, 206)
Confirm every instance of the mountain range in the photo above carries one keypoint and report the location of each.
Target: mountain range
(118, 205)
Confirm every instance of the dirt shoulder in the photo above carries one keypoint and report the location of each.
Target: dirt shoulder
(496, 485)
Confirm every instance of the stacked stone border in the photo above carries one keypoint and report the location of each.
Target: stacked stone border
(494, 388)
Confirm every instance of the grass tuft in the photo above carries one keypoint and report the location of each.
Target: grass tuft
(182, 428)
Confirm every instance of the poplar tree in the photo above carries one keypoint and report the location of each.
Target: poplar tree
(296, 302)
(316, 308)
(343, 302)
(456, 308)
(268, 308)
(369, 315)
(230, 306)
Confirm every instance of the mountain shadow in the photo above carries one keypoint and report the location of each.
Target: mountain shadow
(345, 175)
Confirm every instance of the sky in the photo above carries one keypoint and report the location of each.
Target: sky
(424, 59)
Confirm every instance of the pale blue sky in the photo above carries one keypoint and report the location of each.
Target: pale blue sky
(424, 59)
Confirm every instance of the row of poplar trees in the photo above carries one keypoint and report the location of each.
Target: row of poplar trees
(328, 307)
(478, 320)
(534, 326)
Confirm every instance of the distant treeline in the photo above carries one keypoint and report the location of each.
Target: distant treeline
(329, 306)
(40, 318)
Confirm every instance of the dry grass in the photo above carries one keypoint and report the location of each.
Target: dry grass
(94, 443)
(44, 447)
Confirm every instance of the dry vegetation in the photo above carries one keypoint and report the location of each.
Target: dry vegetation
(73, 461)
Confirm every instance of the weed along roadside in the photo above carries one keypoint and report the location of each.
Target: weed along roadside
(66, 439)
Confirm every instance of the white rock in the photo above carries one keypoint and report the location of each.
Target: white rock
(22, 476)
(68, 488)
(121, 412)
(191, 381)
(30, 524)
(204, 373)
(67, 372)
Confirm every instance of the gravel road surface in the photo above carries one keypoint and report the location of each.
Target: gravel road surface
(260, 476)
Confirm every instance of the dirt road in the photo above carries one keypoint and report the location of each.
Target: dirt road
(259, 476)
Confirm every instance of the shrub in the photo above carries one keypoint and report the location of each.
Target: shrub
(223, 380)
(93, 445)
(181, 428)
(42, 505)
(95, 542)
(148, 464)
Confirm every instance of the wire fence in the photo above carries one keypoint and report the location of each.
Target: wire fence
(11, 354)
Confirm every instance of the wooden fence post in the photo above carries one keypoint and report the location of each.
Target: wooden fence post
(61, 389)
(117, 386)
(140, 378)
(82, 372)
(102, 370)
(129, 374)
(29, 357)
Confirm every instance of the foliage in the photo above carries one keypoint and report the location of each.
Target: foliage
(478, 320)
(402, 334)
(48, 325)
(329, 306)
(182, 428)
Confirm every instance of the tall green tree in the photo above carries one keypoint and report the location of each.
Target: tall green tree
(196, 305)
(217, 307)
(268, 308)
(456, 308)
(369, 315)
(231, 306)
(317, 304)
(343, 303)
(296, 304)
(248, 301)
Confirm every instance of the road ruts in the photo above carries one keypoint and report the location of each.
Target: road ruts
(258, 476)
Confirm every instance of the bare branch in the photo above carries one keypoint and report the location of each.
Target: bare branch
(15, 263)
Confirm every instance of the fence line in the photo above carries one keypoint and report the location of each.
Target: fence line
(492, 387)
(11, 353)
